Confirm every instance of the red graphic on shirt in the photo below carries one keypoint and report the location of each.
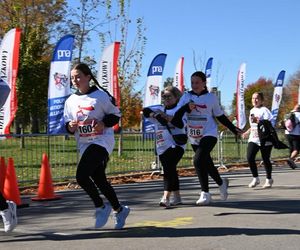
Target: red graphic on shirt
(198, 107)
(81, 114)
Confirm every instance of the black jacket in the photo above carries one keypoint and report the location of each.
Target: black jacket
(266, 132)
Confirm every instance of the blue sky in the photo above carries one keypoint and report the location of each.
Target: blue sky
(264, 34)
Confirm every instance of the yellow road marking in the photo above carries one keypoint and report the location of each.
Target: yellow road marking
(181, 221)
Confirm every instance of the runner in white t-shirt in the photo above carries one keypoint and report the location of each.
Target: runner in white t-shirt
(293, 138)
(168, 151)
(258, 113)
(90, 114)
(201, 108)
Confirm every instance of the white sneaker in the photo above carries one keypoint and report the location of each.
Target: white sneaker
(254, 182)
(204, 199)
(164, 203)
(102, 214)
(224, 189)
(120, 217)
(176, 200)
(9, 217)
(268, 183)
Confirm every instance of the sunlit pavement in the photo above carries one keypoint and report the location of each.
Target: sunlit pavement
(250, 219)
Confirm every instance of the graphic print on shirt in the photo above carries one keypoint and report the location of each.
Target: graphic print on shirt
(86, 123)
(253, 122)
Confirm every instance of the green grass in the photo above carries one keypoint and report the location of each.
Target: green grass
(136, 155)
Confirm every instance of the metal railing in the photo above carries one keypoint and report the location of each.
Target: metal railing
(134, 152)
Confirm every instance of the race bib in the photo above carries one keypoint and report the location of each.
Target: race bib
(86, 131)
(195, 131)
(160, 141)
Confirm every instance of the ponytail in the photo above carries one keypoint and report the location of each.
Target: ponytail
(84, 68)
(112, 99)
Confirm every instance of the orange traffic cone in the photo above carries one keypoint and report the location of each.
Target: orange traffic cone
(2, 173)
(45, 191)
(11, 190)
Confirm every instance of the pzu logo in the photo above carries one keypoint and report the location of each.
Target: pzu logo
(63, 53)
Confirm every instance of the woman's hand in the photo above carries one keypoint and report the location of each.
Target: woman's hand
(246, 134)
(192, 106)
(98, 126)
(72, 126)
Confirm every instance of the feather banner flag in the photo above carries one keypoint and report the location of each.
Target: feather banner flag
(108, 71)
(154, 80)
(277, 96)
(240, 102)
(299, 94)
(9, 60)
(59, 84)
(178, 77)
(208, 73)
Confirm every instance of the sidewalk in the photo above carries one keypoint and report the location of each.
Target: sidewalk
(256, 218)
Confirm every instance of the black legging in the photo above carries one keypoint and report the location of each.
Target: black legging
(91, 174)
(252, 150)
(294, 142)
(3, 204)
(169, 160)
(203, 162)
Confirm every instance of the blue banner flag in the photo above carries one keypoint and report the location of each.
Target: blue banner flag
(208, 72)
(154, 81)
(277, 96)
(59, 84)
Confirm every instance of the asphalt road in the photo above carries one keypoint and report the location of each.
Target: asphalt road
(256, 218)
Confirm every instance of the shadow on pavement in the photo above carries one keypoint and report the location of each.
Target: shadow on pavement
(153, 232)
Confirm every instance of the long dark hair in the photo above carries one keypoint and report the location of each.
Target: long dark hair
(85, 69)
(201, 75)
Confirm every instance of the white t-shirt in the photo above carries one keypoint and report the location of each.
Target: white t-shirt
(201, 121)
(261, 113)
(87, 109)
(164, 139)
(296, 129)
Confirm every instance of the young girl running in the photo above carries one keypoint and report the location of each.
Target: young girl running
(258, 113)
(202, 107)
(90, 115)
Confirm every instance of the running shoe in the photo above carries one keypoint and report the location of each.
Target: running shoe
(101, 215)
(255, 181)
(120, 217)
(9, 217)
(205, 199)
(224, 189)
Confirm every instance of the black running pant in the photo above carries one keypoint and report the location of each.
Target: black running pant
(169, 160)
(91, 176)
(265, 151)
(203, 162)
